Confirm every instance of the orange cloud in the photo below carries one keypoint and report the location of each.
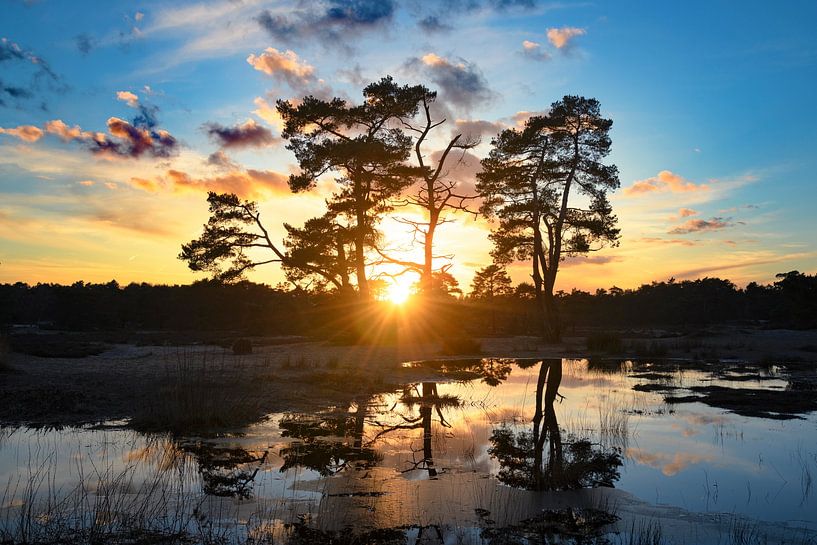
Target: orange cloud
(283, 65)
(268, 113)
(248, 184)
(520, 118)
(561, 37)
(663, 182)
(669, 465)
(133, 141)
(572, 261)
(58, 128)
(86, 183)
(698, 225)
(26, 133)
(657, 240)
(432, 59)
(145, 184)
(532, 50)
(130, 98)
(683, 213)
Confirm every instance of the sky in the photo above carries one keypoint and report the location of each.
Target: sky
(116, 118)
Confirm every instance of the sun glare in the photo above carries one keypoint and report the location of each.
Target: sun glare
(398, 293)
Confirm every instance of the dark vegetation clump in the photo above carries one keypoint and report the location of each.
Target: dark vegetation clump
(775, 404)
(301, 534)
(193, 397)
(608, 343)
(572, 464)
(571, 525)
(242, 347)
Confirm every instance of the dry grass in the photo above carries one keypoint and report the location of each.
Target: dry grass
(196, 395)
(120, 506)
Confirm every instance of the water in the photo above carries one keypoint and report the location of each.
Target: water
(443, 452)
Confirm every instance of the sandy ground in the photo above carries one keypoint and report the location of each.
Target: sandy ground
(125, 379)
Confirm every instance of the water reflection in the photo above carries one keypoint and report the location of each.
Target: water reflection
(426, 454)
(490, 371)
(327, 444)
(575, 463)
(426, 398)
(224, 471)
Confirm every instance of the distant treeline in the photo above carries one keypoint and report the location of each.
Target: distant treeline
(257, 309)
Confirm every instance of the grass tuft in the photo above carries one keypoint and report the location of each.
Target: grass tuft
(194, 397)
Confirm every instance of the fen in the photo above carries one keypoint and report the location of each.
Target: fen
(685, 433)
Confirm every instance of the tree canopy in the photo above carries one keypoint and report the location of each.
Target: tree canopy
(547, 187)
(364, 147)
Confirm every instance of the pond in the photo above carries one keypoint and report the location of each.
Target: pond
(624, 451)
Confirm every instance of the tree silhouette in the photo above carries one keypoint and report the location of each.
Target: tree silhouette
(363, 146)
(490, 282)
(435, 193)
(529, 180)
(233, 230)
(443, 284)
(234, 235)
(319, 251)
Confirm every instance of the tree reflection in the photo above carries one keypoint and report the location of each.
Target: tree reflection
(227, 471)
(491, 371)
(575, 463)
(327, 445)
(427, 398)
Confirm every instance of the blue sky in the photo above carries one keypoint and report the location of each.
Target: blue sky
(714, 122)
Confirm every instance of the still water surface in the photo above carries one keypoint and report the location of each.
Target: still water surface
(432, 454)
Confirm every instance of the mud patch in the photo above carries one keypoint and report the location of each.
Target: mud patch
(773, 404)
(651, 387)
(555, 526)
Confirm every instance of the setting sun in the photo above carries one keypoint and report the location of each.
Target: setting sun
(398, 292)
